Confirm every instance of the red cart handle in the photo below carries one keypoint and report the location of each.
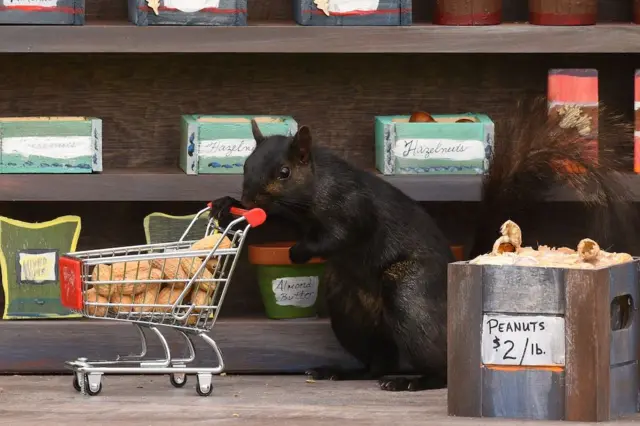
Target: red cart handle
(255, 217)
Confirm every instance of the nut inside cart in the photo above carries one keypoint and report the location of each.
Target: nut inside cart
(179, 285)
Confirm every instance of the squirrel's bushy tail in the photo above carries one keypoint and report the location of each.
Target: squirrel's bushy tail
(532, 154)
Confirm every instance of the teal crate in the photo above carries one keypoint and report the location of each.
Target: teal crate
(221, 143)
(50, 145)
(441, 147)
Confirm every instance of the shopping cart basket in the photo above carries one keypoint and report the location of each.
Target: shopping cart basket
(169, 285)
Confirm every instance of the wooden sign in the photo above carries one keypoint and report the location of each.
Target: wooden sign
(522, 340)
(165, 228)
(29, 255)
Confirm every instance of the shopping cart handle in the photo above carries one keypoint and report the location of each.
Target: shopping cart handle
(255, 217)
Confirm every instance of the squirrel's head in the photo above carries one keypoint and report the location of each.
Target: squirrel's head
(279, 171)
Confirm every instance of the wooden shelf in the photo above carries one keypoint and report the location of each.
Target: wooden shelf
(247, 345)
(174, 185)
(285, 37)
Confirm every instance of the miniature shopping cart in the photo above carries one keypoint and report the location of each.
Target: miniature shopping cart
(167, 285)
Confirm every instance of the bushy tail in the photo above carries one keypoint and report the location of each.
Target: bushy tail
(532, 155)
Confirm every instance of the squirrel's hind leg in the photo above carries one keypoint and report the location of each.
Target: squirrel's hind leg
(356, 323)
(416, 296)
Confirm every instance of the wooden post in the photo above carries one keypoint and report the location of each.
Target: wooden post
(563, 12)
(468, 12)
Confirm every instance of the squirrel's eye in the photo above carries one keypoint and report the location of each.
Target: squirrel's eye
(285, 172)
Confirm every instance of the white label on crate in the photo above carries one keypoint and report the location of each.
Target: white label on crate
(346, 6)
(301, 292)
(63, 147)
(190, 6)
(226, 148)
(38, 267)
(522, 340)
(449, 149)
(32, 3)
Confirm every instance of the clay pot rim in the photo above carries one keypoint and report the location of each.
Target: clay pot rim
(275, 254)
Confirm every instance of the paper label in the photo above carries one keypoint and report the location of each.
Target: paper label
(63, 147)
(345, 6)
(31, 3)
(38, 267)
(301, 292)
(441, 149)
(190, 6)
(221, 148)
(523, 340)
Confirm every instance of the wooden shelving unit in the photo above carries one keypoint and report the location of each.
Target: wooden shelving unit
(284, 37)
(171, 184)
(335, 80)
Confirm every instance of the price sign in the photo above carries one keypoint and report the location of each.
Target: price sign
(522, 340)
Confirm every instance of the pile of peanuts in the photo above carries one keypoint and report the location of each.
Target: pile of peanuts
(140, 293)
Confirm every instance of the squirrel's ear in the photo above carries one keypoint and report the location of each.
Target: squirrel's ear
(302, 144)
(257, 134)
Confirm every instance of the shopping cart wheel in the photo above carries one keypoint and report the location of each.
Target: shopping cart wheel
(93, 384)
(204, 386)
(76, 384)
(178, 380)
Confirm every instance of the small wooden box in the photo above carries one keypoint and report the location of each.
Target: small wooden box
(352, 12)
(573, 103)
(542, 343)
(221, 143)
(50, 145)
(188, 12)
(443, 147)
(43, 12)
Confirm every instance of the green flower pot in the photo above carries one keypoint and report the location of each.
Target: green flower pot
(288, 291)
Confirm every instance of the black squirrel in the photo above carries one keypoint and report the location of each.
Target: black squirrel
(386, 259)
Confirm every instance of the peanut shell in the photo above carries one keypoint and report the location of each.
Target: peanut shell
(200, 298)
(142, 270)
(121, 298)
(147, 297)
(92, 296)
(168, 296)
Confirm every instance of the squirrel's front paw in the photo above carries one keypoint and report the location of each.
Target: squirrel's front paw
(299, 254)
(220, 210)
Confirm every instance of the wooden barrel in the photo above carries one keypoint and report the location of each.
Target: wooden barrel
(542, 343)
(468, 12)
(563, 12)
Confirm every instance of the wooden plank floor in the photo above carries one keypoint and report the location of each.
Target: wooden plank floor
(246, 400)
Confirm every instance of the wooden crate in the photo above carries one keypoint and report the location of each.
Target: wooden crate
(191, 12)
(443, 147)
(542, 343)
(221, 143)
(44, 12)
(50, 145)
(352, 12)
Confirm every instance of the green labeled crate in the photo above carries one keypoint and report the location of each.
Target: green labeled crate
(221, 143)
(50, 145)
(441, 147)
